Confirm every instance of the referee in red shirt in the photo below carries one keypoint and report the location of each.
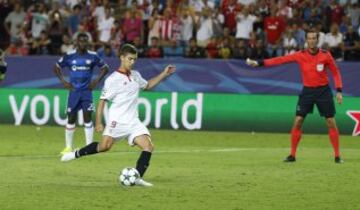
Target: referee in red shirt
(313, 64)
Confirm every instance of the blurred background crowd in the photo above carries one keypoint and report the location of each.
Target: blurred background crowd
(181, 28)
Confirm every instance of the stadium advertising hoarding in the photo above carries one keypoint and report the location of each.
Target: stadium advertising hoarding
(189, 111)
(192, 75)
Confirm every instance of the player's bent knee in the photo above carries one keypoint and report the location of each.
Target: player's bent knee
(151, 147)
(148, 146)
(104, 148)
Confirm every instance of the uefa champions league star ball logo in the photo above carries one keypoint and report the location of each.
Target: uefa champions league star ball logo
(355, 115)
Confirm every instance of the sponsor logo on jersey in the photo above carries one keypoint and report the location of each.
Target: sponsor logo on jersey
(79, 68)
(320, 67)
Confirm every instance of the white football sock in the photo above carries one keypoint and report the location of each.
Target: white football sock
(89, 132)
(69, 134)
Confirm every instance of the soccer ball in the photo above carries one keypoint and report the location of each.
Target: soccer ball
(129, 176)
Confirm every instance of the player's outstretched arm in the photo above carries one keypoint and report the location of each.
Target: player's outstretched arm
(58, 73)
(294, 57)
(103, 71)
(169, 69)
(99, 127)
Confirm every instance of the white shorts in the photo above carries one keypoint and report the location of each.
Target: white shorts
(129, 131)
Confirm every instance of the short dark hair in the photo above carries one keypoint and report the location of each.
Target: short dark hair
(128, 49)
(77, 6)
(82, 35)
(193, 39)
(311, 30)
(154, 38)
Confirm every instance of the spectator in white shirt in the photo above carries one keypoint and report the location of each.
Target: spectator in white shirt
(187, 24)
(334, 41)
(99, 12)
(245, 22)
(40, 20)
(14, 21)
(66, 45)
(154, 25)
(105, 26)
(204, 28)
(289, 42)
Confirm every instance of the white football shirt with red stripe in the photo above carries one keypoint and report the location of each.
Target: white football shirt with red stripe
(123, 91)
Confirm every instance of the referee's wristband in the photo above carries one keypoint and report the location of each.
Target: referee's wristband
(339, 90)
(2, 76)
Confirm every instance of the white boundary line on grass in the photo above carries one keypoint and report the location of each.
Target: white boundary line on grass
(155, 152)
(215, 150)
(234, 149)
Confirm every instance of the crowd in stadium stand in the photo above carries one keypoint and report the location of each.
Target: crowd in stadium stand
(181, 28)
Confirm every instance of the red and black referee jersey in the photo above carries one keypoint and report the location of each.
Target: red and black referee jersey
(313, 67)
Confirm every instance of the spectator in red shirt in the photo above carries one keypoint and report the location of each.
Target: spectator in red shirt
(155, 51)
(212, 48)
(333, 13)
(230, 10)
(313, 64)
(274, 27)
(337, 12)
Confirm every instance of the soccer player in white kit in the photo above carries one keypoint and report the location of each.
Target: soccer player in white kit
(122, 89)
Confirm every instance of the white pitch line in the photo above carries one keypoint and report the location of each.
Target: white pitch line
(234, 149)
(215, 150)
(156, 151)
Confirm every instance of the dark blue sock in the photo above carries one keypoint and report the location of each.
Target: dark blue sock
(143, 162)
(87, 150)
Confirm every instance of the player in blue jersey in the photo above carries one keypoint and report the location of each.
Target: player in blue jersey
(3, 65)
(81, 63)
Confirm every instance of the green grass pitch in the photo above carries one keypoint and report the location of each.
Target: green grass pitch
(190, 170)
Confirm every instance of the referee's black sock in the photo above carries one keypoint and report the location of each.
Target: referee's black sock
(143, 162)
(87, 150)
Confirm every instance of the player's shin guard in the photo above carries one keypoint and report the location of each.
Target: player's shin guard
(295, 139)
(87, 150)
(69, 135)
(334, 139)
(143, 162)
(89, 132)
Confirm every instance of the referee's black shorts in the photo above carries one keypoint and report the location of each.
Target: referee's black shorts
(321, 96)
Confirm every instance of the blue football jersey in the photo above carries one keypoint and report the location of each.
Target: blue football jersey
(81, 67)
